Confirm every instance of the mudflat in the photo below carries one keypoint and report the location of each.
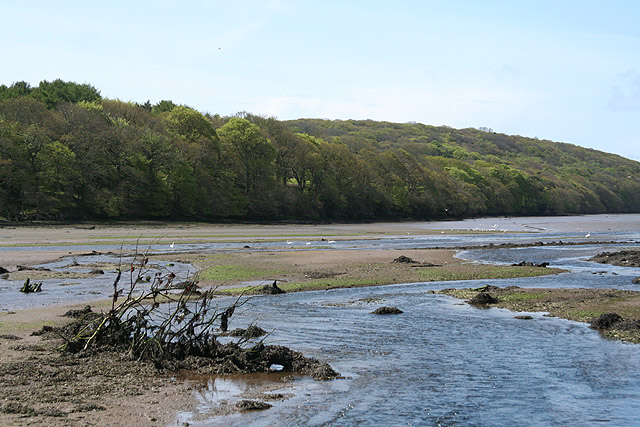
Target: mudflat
(42, 386)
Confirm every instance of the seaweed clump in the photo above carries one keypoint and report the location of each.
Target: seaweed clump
(387, 310)
(483, 299)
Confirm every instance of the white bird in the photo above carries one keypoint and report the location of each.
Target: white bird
(332, 241)
(171, 245)
(588, 235)
(308, 243)
(289, 242)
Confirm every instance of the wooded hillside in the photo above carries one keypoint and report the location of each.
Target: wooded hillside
(66, 153)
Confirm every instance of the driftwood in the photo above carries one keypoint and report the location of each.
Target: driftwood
(177, 330)
(29, 287)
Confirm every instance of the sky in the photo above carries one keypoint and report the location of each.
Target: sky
(563, 70)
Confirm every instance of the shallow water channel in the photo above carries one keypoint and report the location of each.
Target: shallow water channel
(443, 362)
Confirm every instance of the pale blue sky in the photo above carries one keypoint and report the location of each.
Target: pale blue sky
(562, 70)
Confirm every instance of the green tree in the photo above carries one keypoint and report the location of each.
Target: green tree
(163, 107)
(57, 92)
(16, 90)
(253, 151)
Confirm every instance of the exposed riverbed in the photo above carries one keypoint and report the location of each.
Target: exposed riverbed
(440, 362)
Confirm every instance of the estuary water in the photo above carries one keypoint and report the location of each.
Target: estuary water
(444, 363)
(441, 362)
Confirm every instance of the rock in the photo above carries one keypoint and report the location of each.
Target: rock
(45, 329)
(387, 310)
(483, 298)
(77, 313)
(10, 337)
(404, 260)
(530, 264)
(252, 331)
(96, 271)
(636, 281)
(628, 325)
(485, 288)
(252, 405)
(626, 258)
(523, 317)
(605, 321)
(3, 270)
(272, 289)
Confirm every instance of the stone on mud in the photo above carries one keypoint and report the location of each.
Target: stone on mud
(530, 264)
(483, 298)
(606, 321)
(404, 260)
(387, 310)
(271, 289)
(252, 405)
(252, 331)
(77, 313)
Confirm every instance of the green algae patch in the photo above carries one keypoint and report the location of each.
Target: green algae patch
(225, 273)
(377, 277)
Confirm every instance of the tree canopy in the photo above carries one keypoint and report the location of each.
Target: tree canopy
(66, 153)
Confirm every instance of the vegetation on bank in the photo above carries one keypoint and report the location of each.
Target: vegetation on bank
(376, 276)
(67, 153)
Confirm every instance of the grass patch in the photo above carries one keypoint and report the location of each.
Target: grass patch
(480, 272)
(220, 273)
(310, 285)
(583, 315)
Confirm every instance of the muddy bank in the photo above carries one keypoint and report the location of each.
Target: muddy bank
(582, 305)
(628, 258)
(43, 387)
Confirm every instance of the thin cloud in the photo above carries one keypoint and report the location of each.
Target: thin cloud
(625, 96)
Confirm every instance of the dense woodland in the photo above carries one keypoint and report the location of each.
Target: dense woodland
(66, 153)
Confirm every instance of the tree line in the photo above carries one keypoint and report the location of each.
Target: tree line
(67, 153)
